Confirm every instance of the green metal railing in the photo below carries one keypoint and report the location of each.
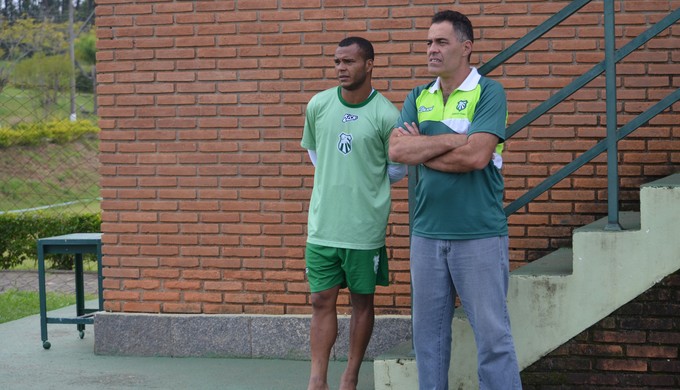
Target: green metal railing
(614, 134)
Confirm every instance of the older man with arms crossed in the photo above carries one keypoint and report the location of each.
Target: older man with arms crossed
(452, 130)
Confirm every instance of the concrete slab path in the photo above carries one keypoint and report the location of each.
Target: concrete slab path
(71, 362)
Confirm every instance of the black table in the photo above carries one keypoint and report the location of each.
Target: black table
(76, 244)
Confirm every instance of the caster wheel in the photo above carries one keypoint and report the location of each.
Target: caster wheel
(81, 333)
(46, 344)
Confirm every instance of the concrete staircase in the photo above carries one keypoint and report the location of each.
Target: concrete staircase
(554, 298)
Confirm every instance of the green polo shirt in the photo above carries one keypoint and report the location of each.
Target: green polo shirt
(459, 206)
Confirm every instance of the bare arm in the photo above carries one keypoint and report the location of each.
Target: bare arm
(474, 155)
(408, 146)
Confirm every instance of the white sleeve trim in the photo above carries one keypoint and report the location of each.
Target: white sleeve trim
(312, 156)
(396, 172)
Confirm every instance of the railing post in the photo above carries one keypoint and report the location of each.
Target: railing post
(612, 123)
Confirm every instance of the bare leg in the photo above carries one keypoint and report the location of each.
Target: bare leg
(324, 329)
(360, 330)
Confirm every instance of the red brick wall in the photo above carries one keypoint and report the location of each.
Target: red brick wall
(636, 347)
(205, 185)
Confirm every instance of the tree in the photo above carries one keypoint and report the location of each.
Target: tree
(86, 57)
(56, 10)
(9, 11)
(31, 27)
(26, 37)
(86, 50)
(45, 75)
(4, 72)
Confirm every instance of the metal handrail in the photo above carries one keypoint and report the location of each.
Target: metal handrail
(593, 152)
(609, 144)
(533, 35)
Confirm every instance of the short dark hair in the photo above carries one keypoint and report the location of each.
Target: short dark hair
(461, 23)
(365, 46)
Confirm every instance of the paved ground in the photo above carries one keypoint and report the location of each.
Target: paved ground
(71, 362)
(55, 281)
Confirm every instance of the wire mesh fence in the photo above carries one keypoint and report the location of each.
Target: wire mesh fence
(48, 120)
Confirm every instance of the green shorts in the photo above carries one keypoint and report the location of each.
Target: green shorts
(359, 270)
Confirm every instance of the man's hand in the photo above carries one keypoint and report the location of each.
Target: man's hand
(408, 129)
(409, 146)
(476, 154)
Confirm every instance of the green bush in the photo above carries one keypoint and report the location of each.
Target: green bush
(19, 234)
(84, 83)
(55, 131)
(43, 72)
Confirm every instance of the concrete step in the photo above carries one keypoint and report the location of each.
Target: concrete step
(397, 370)
(558, 263)
(554, 298)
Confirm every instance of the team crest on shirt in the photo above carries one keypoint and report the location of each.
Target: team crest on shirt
(345, 143)
(349, 118)
(461, 105)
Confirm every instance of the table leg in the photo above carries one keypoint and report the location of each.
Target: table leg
(43, 297)
(80, 291)
(100, 278)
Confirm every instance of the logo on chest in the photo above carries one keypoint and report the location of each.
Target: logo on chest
(349, 118)
(345, 143)
(461, 105)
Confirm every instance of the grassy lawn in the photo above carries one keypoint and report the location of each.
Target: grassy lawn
(66, 175)
(46, 174)
(16, 304)
(23, 105)
(34, 176)
(18, 194)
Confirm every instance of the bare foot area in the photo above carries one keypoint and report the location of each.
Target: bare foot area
(347, 383)
(317, 384)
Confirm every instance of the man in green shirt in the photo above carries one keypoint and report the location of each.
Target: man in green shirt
(452, 130)
(347, 132)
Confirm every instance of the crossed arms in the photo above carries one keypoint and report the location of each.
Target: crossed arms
(457, 153)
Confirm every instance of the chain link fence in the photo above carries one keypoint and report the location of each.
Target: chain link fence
(48, 119)
(49, 165)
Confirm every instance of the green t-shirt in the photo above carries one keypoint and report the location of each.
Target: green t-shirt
(459, 206)
(350, 201)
